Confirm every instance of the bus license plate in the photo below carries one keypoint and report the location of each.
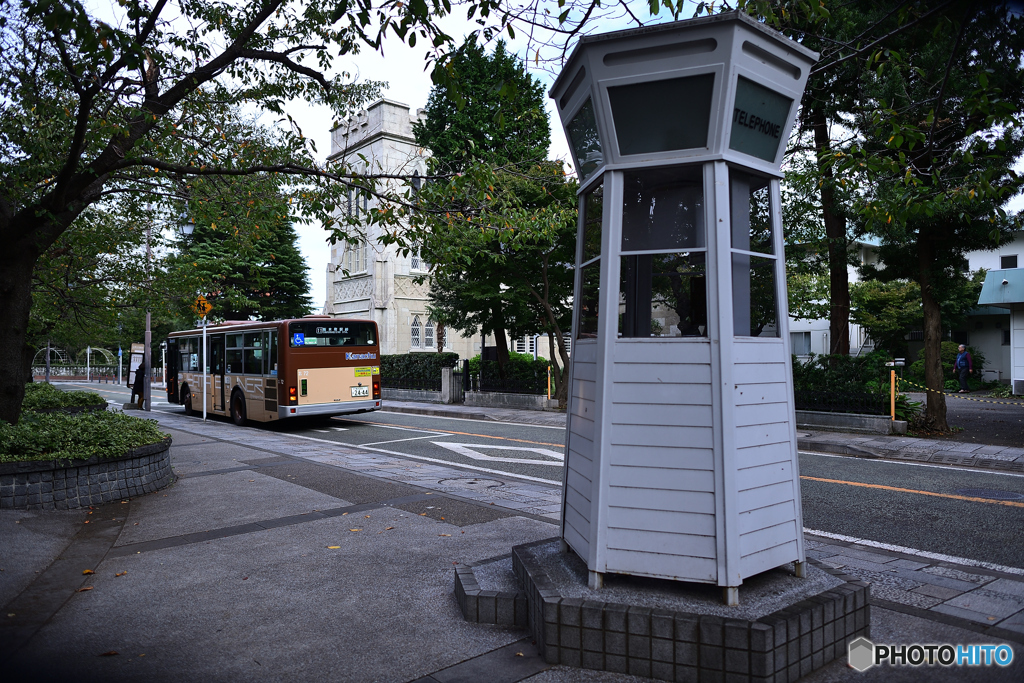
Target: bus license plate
(360, 392)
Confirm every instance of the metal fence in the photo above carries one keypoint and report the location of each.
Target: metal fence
(536, 385)
(96, 373)
(832, 402)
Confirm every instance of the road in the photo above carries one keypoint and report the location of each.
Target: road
(957, 512)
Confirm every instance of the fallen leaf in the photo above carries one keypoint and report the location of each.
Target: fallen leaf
(252, 480)
(87, 571)
(388, 528)
(89, 513)
(423, 514)
(355, 529)
(992, 618)
(122, 573)
(124, 502)
(10, 614)
(444, 534)
(333, 547)
(108, 654)
(519, 654)
(245, 578)
(143, 654)
(83, 589)
(442, 518)
(343, 514)
(85, 522)
(367, 516)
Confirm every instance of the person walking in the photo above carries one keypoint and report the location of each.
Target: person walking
(964, 366)
(139, 386)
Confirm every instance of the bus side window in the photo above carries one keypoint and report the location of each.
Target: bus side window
(234, 354)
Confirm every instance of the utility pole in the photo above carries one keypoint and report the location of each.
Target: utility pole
(147, 354)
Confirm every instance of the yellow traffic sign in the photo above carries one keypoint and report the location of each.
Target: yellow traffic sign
(201, 306)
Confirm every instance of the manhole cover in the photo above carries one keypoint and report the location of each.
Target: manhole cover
(991, 494)
(474, 483)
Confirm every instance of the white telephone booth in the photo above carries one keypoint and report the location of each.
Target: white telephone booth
(681, 458)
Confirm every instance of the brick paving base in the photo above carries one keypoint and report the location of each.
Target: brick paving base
(668, 645)
(63, 485)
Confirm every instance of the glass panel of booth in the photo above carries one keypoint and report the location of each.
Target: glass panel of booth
(759, 116)
(662, 115)
(755, 305)
(592, 208)
(585, 140)
(663, 269)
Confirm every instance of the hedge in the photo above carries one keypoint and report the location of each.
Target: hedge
(60, 436)
(416, 366)
(41, 396)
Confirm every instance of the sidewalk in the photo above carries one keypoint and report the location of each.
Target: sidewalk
(282, 557)
(1010, 459)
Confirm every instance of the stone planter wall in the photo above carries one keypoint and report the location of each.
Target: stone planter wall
(63, 485)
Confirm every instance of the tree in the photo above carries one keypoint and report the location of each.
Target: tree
(496, 114)
(244, 260)
(934, 165)
(496, 119)
(507, 243)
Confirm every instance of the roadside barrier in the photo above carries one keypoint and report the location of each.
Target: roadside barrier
(960, 396)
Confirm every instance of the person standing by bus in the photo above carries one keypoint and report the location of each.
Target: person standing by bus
(964, 366)
(138, 386)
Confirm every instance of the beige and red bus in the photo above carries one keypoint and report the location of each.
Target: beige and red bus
(266, 371)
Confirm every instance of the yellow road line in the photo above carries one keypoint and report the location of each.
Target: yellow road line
(448, 431)
(953, 496)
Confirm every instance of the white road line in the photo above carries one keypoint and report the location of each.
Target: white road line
(470, 419)
(411, 438)
(939, 557)
(322, 431)
(402, 429)
(916, 464)
(340, 429)
(466, 450)
(448, 463)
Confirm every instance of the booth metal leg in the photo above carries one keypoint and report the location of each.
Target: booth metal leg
(800, 569)
(731, 595)
(596, 580)
(563, 546)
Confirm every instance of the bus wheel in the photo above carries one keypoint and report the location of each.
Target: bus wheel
(238, 409)
(186, 400)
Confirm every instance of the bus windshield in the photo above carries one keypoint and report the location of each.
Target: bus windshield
(331, 333)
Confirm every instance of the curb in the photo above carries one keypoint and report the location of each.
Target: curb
(436, 412)
(940, 458)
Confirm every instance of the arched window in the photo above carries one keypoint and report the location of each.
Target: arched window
(415, 333)
(429, 335)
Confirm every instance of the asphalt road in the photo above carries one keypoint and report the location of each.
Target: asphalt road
(961, 513)
(999, 423)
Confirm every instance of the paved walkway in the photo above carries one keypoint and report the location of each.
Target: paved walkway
(282, 557)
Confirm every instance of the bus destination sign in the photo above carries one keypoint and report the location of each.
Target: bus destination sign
(360, 356)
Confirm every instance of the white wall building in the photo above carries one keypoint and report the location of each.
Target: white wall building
(369, 280)
(996, 328)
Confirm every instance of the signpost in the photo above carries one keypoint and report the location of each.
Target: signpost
(681, 457)
(202, 307)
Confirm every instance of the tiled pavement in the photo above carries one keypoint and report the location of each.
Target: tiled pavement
(984, 600)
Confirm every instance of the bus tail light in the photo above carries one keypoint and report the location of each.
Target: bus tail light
(292, 395)
(376, 386)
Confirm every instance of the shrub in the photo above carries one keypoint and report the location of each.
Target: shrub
(842, 374)
(417, 366)
(59, 436)
(1002, 391)
(40, 396)
(906, 409)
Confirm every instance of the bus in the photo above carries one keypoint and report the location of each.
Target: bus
(266, 371)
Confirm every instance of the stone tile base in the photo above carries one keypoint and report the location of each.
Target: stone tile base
(62, 485)
(673, 646)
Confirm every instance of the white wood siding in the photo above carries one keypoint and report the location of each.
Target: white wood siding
(661, 496)
(579, 460)
(764, 457)
(1017, 343)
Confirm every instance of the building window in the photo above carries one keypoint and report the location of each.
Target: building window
(801, 342)
(1006, 262)
(355, 258)
(428, 334)
(1006, 337)
(416, 260)
(525, 344)
(415, 333)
